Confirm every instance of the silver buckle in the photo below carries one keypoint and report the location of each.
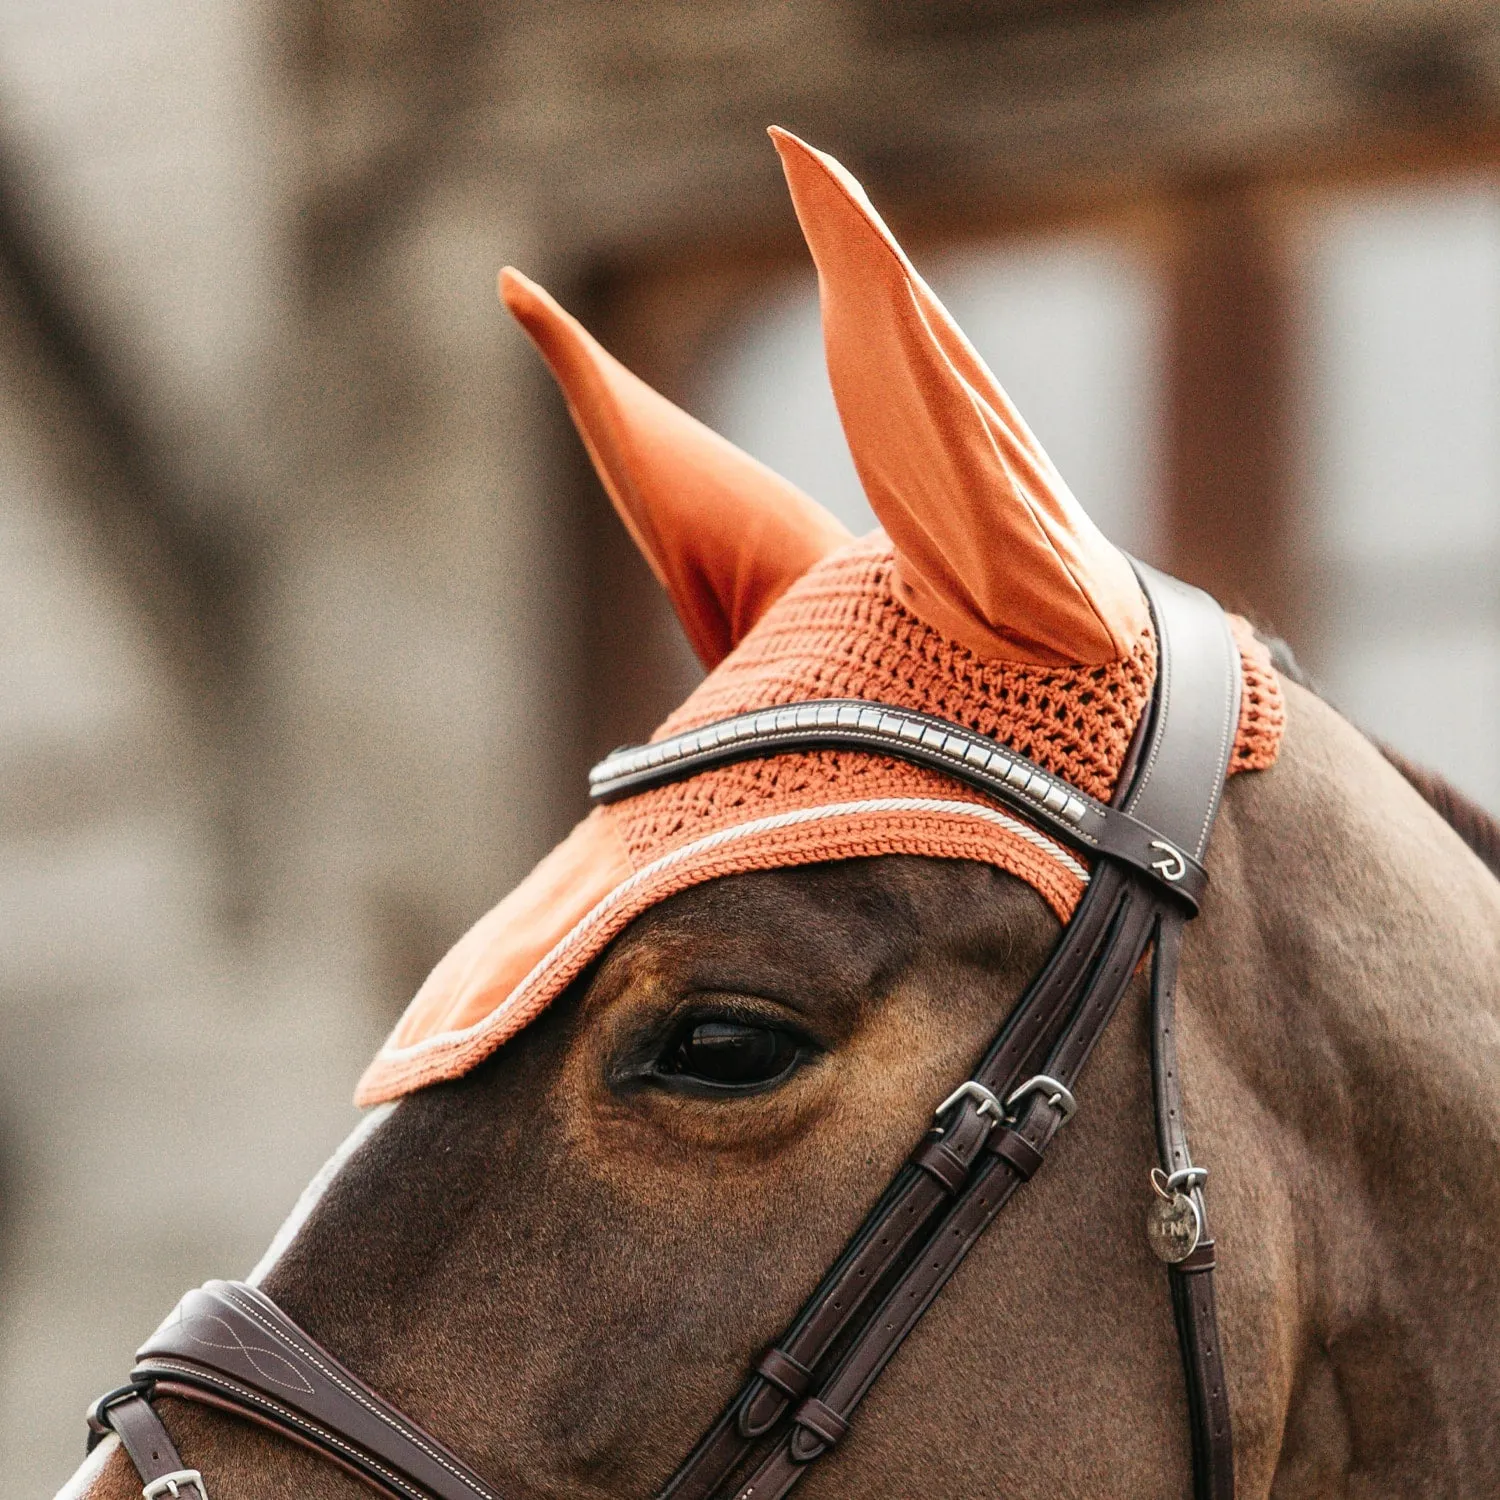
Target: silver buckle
(988, 1103)
(1058, 1095)
(171, 1484)
(1185, 1179)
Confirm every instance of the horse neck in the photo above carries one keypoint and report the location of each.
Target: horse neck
(1344, 991)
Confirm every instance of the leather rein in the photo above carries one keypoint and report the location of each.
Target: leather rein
(228, 1345)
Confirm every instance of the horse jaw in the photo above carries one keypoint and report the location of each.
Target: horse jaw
(567, 1289)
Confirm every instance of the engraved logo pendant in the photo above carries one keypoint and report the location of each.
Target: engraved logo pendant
(1173, 1224)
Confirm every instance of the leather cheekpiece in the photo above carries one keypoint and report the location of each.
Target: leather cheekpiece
(949, 1170)
(1013, 1147)
(784, 1373)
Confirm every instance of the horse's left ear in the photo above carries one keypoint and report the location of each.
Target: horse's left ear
(991, 547)
(725, 535)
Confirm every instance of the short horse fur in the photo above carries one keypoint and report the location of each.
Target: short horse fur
(563, 1267)
(572, 1272)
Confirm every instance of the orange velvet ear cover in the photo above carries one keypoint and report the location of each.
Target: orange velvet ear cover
(985, 544)
(992, 549)
(725, 535)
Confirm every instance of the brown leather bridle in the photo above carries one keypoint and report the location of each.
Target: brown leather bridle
(228, 1345)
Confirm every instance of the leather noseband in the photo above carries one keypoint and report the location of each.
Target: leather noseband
(228, 1345)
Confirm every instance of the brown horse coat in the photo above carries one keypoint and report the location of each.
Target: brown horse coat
(563, 1266)
(565, 1273)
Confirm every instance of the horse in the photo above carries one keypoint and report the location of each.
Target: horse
(563, 1257)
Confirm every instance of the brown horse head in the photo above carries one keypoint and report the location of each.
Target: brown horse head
(633, 1132)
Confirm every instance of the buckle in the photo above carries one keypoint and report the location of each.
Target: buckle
(988, 1103)
(171, 1484)
(95, 1415)
(1058, 1095)
(1185, 1179)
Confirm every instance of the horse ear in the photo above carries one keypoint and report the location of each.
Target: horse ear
(991, 547)
(725, 535)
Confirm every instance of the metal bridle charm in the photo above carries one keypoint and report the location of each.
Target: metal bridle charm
(1171, 866)
(1174, 1226)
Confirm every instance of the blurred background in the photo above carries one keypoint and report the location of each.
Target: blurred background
(312, 617)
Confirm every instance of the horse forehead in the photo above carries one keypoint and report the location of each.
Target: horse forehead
(847, 917)
(850, 894)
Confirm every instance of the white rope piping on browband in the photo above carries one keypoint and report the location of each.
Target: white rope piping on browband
(713, 841)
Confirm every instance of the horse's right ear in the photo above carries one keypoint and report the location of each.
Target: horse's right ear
(725, 535)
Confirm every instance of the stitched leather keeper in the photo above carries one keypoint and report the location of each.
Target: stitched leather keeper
(939, 1162)
(820, 1420)
(1202, 1259)
(782, 1371)
(1013, 1148)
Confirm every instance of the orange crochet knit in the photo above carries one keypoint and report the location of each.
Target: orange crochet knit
(989, 581)
(838, 632)
(841, 632)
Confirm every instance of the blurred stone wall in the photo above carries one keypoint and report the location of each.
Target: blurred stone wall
(283, 660)
(309, 618)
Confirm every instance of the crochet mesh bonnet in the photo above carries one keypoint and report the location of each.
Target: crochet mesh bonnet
(988, 599)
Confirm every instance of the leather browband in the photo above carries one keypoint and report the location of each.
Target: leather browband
(1074, 817)
(228, 1345)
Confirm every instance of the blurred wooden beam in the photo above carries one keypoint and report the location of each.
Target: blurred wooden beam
(185, 574)
(634, 661)
(640, 130)
(186, 577)
(1229, 407)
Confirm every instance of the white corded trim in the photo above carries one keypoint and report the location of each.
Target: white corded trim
(712, 841)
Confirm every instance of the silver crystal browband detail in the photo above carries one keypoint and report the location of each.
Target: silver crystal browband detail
(1075, 818)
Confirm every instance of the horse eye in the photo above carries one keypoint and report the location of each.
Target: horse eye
(731, 1054)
